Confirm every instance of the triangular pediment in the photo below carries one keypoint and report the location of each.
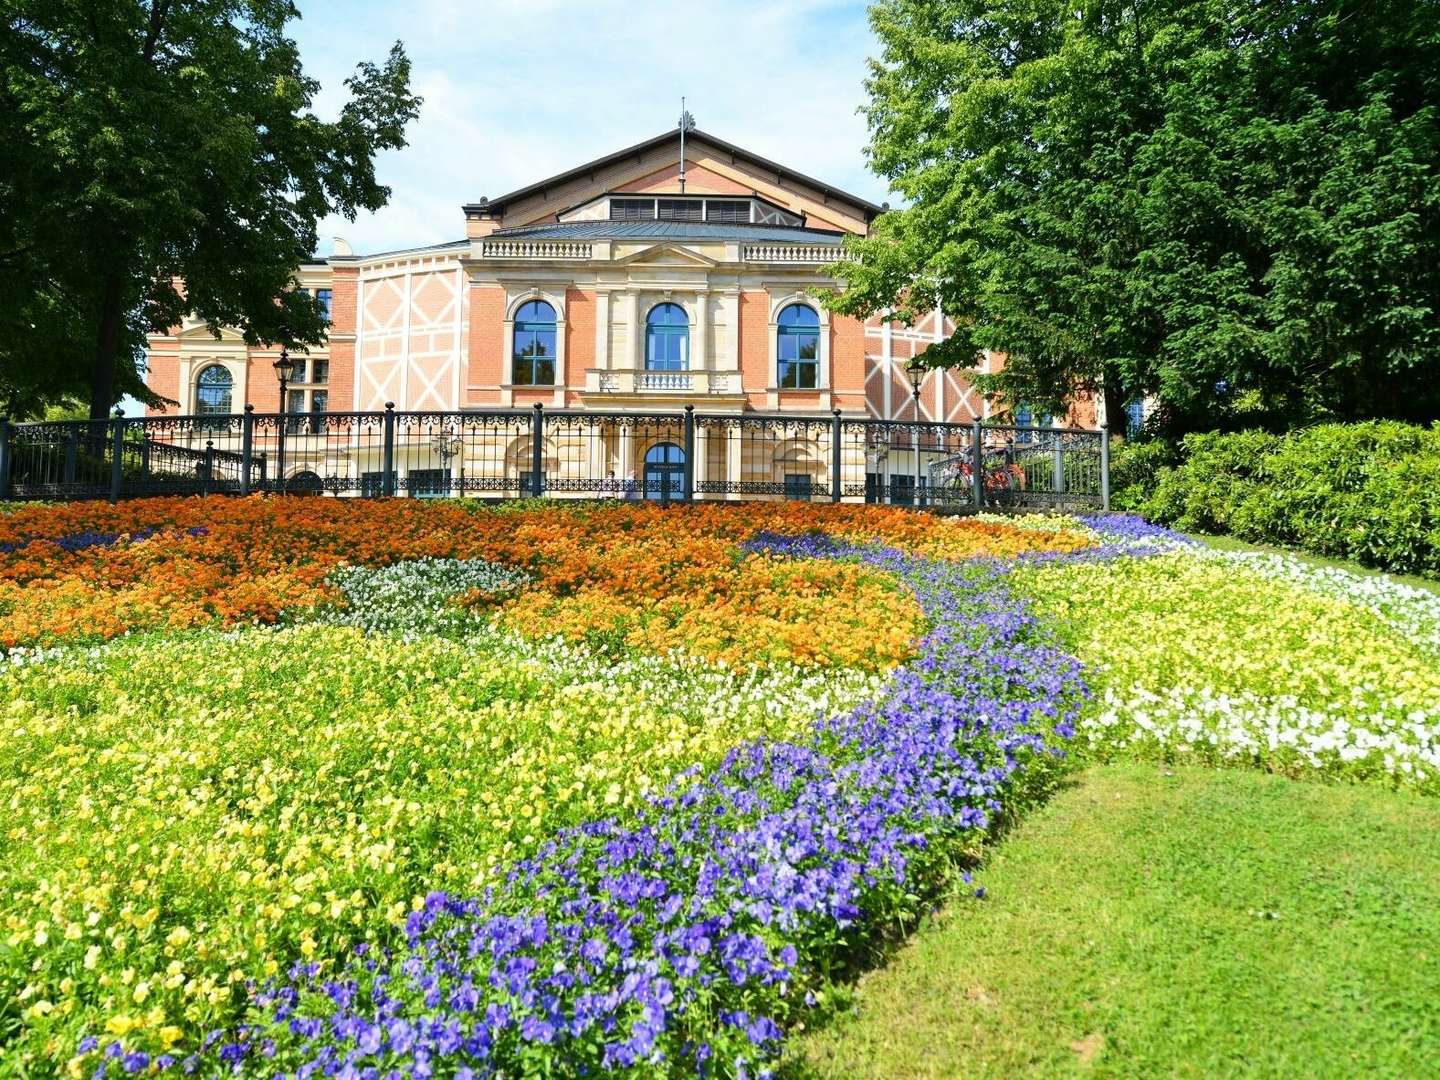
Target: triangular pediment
(196, 330)
(666, 255)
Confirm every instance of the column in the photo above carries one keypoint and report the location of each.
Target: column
(735, 444)
(602, 329)
(635, 330)
(700, 336)
(702, 457)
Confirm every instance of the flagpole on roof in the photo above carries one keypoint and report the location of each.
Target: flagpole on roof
(687, 122)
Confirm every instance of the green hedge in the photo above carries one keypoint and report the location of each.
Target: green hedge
(1367, 492)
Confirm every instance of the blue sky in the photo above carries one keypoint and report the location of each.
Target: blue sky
(517, 90)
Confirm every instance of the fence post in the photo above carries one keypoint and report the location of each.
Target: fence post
(1105, 466)
(977, 465)
(387, 462)
(209, 467)
(4, 458)
(72, 450)
(835, 456)
(117, 457)
(689, 453)
(537, 452)
(247, 442)
(1059, 452)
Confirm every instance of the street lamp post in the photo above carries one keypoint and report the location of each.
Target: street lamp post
(916, 372)
(447, 445)
(284, 368)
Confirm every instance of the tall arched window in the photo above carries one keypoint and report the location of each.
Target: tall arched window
(534, 344)
(798, 348)
(667, 338)
(212, 391)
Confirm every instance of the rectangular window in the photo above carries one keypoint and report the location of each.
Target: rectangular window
(319, 405)
(323, 295)
(902, 490)
(372, 484)
(429, 483)
(680, 209)
(299, 375)
(728, 211)
(534, 358)
(295, 406)
(798, 486)
(319, 370)
(632, 209)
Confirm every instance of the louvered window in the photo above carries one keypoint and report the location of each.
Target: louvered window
(632, 209)
(728, 211)
(681, 209)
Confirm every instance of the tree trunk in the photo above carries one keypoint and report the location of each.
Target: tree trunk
(107, 350)
(1116, 416)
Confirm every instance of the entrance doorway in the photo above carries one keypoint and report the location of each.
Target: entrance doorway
(665, 472)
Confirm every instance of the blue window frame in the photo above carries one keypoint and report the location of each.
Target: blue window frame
(667, 338)
(799, 486)
(1134, 416)
(798, 347)
(534, 345)
(429, 483)
(665, 472)
(213, 387)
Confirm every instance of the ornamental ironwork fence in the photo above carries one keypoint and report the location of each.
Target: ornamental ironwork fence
(517, 453)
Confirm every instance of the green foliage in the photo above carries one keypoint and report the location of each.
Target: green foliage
(150, 142)
(1365, 492)
(1134, 469)
(1224, 205)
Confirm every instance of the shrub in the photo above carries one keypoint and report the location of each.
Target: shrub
(1135, 468)
(1368, 492)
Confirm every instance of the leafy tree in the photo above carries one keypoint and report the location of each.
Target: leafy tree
(1228, 204)
(147, 143)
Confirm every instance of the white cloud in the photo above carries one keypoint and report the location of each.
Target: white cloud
(517, 90)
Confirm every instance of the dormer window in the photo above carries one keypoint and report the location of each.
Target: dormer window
(728, 210)
(632, 209)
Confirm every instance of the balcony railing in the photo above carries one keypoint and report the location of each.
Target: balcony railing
(509, 453)
(636, 381)
(792, 253)
(535, 249)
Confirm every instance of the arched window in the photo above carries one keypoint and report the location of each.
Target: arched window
(305, 483)
(667, 338)
(212, 391)
(798, 348)
(665, 472)
(534, 344)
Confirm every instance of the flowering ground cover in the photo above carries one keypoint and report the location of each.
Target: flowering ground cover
(362, 788)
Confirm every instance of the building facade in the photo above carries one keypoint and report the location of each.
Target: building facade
(648, 280)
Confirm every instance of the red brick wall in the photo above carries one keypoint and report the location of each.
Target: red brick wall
(579, 337)
(847, 362)
(342, 337)
(755, 345)
(487, 319)
(164, 373)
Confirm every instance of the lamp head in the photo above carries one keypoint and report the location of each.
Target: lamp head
(916, 371)
(284, 366)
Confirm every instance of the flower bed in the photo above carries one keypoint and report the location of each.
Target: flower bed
(324, 786)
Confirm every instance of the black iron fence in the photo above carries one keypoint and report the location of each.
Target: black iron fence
(498, 454)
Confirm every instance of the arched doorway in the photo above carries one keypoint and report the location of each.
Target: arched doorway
(665, 472)
(305, 483)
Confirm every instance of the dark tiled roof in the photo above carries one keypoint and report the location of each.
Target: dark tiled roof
(695, 134)
(687, 230)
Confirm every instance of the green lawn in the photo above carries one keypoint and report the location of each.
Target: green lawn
(1229, 543)
(1171, 922)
